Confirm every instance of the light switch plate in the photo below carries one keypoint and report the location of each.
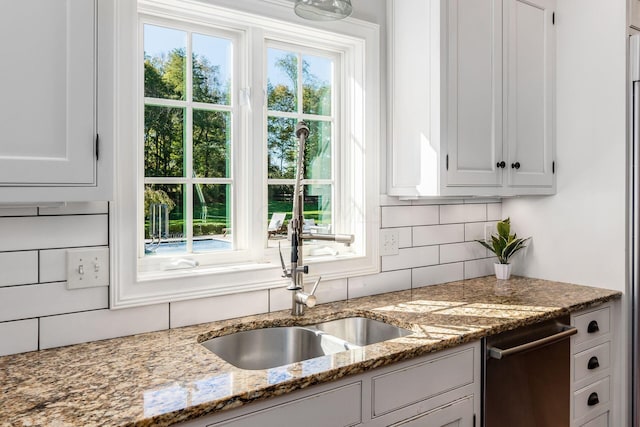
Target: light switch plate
(87, 268)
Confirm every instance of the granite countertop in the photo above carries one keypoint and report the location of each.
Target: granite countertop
(166, 377)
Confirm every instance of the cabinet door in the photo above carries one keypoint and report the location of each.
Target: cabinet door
(529, 87)
(474, 92)
(456, 414)
(47, 109)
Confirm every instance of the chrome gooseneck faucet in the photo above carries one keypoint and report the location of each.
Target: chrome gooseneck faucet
(297, 270)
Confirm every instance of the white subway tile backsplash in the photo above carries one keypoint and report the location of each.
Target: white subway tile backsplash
(476, 230)
(406, 216)
(479, 268)
(379, 283)
(330, 290)
(191, 312)
(53, 265)
(438, 234)
(405, 237)
(53, 232)
(450, 214)
(18, 337)
(76, 208)
(74, 328)
(36, 307)
(18, 268)
(279, 299)
(494, 211)
(461, 252)
(437, 274)
(411, 257)
(22, 302)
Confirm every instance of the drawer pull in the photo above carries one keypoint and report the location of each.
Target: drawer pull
(593, 399)
(593, 327)
(593, 363)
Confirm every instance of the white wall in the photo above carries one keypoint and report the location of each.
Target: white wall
(579, 234)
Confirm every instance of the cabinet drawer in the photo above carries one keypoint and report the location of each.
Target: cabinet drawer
(453, 414)
(598, 322)
(600, 421)
(413, 384)
(597, 394)
(591, 362)
(338, 407)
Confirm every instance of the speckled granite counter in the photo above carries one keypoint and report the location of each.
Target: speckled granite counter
(165, 377)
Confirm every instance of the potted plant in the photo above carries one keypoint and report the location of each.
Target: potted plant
(504, 245)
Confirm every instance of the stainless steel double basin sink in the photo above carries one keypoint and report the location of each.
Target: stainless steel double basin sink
(271, 347)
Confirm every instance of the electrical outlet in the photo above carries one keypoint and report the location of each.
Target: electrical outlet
(389, 242)
(87, 268)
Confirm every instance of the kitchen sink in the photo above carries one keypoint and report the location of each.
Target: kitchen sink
(361, 330)
(271, 347)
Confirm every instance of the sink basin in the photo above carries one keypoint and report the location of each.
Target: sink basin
(270, 347)
(361, 330)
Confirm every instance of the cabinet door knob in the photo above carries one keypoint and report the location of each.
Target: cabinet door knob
(593, 327)
(593, 399)
(501, 164)
(593, 363)
(515, 165)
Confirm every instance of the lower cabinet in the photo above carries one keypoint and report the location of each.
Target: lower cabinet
(457, 414)
(592, 351)
(441, 389)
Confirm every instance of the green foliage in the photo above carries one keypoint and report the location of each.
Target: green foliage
(152, 196)
(504, 245)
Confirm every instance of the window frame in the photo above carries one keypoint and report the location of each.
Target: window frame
(358, 44)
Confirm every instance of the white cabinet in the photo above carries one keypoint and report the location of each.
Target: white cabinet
(456, 414)
(471, 97)
(591, 351)
(53, 110)
(529, 93)
(440, 389)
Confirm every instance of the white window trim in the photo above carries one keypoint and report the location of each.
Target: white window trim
(127, 288)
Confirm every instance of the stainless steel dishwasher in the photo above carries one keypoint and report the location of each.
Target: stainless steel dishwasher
(527, 376)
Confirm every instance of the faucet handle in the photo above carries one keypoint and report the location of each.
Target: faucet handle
(309, 299)
(315, 286)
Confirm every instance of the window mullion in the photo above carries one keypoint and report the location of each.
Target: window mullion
(188, 209)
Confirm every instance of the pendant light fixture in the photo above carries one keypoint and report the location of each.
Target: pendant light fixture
(323, 10)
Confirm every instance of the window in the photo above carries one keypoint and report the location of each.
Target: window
(207, 187)
(188, 141)
(301, 87)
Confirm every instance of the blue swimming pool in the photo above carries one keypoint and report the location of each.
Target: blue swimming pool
(205, 245)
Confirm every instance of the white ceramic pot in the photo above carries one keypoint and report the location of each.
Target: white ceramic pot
(503, 271)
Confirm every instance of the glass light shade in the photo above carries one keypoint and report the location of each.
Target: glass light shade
(323, 10)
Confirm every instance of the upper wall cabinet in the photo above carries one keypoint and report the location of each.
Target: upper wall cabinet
(56, 110)
(471, 107)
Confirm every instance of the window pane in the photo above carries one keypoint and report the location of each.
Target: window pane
(282, 80)
(164, 62)
(211, 144)
(282, 147)
(211, 69)
(317, 207)
(164, 219)
(318, 151)
(163, 141)
(316, 85)
(211, 217)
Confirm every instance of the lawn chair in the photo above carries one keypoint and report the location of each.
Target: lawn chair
(276, 225)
